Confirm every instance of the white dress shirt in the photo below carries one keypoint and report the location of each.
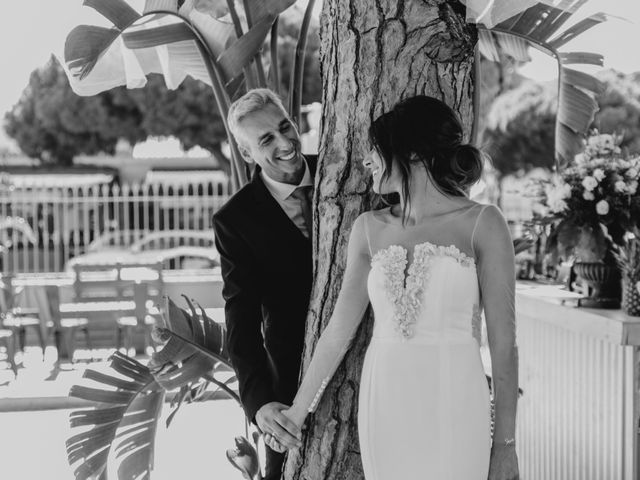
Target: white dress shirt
(282, 193)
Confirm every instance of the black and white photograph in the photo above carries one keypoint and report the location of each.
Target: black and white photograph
(320, 240)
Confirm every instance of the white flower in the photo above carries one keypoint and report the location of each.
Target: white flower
(598, 174)
(556, 193)
(589, 183)
(620, 186)
(632, 173)
(633, 187)
(557, 205)
(602, 207)
(588, 195)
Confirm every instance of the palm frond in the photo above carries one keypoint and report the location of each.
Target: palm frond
(218, 33)
(118, 12)
(123, 420)
(258, 11)
(241, 52)
(85, 44)
(197, 38)
(274, 72)
(540, 26)
(154, 37)
(160, 5)
(296, 81)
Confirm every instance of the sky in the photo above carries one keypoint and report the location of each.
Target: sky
(32, 30)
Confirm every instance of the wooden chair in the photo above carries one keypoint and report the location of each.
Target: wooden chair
(7, 338)
(17, 319)
(64, 329)
(142, 319)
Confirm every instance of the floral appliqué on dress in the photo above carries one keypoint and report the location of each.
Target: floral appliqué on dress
(405, 293)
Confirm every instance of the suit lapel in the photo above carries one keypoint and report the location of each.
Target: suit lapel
(268, 207)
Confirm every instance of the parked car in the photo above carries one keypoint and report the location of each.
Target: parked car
(180, 249)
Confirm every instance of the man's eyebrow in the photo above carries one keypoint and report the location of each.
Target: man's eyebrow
(263, 136)
(282, 123)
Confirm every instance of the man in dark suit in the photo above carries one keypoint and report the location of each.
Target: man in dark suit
(263, 237)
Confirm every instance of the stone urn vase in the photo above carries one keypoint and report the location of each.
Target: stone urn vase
(604, 284)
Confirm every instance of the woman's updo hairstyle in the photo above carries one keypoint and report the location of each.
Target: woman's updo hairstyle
(426, 130)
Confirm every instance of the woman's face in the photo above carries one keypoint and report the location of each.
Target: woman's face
(374, 162)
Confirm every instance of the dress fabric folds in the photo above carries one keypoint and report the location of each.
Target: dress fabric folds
(424, 403)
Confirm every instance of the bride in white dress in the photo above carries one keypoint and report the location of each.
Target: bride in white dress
(429, 266)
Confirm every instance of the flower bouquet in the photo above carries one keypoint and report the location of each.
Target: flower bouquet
(600, 188)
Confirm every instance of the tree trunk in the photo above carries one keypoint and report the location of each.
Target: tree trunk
(373, 54)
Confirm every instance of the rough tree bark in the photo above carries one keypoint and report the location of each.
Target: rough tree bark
(373, 53)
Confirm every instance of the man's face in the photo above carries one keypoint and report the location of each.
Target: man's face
(269, 138)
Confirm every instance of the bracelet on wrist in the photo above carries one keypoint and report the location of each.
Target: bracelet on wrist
(507, 442)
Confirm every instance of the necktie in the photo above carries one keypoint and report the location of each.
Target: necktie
(303, 195)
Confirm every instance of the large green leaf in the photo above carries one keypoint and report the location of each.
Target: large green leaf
(96, 61)
(241, 52)
(540, 27)
(118, 12)
(195, 349)
(123, 420)
(585, 58)
(160, 5)
(491, 44)
(85, 45)
(260, 10)
(154, 37)
(580, 27)
(217, 33)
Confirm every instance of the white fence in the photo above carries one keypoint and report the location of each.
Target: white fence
(578, 416)
(67, 220)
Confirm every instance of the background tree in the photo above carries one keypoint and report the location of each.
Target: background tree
(371, 57)
(520, 125)
(288, 31)
(620, 108)
(53, 124)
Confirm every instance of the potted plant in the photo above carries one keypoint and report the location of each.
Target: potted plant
(600, 188)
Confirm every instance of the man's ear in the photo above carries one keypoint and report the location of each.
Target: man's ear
(245, 154)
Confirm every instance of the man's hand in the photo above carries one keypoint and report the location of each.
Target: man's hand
(272, 421)
(273, 443)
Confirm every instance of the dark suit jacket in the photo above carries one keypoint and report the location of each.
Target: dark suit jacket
(267, 272)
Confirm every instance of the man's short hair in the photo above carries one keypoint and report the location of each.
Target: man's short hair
(250, 102)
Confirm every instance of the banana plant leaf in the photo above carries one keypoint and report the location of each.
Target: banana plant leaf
(216, 51)
(123, 420)
(128, 403)
(195, 347)
(540, 27)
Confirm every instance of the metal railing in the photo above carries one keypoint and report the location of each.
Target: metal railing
(66, 220)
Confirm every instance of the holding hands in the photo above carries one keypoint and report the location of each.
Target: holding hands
(280, 432)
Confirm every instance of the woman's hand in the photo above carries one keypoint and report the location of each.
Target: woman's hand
(273, 444)
(503, 464)
(296, 416)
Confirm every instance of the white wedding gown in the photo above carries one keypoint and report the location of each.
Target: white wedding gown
(424, 406)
